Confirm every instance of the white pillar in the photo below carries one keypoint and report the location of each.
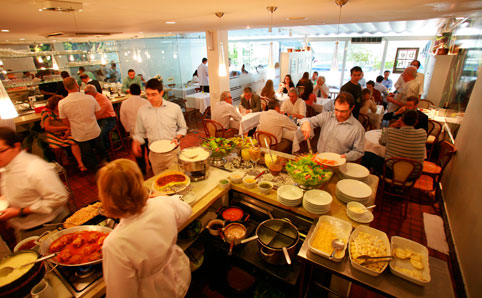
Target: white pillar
(217, 84)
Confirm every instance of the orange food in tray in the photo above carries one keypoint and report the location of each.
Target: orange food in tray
(78, 248)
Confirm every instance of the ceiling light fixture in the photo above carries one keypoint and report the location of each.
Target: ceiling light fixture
(334, 61)
(222, 65)
(271, 72)
(5, 30)
(170, 22)
(61, 6)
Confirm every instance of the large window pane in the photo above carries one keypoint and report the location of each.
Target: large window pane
(367, 56)
(323, 52)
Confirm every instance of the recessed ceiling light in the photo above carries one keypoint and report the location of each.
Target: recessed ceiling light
(5, 30)
(297, 19)
(22, 38)
(170, 22)
(248, 27)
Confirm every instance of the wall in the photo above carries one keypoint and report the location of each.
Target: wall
(462, 189)
(18, 64)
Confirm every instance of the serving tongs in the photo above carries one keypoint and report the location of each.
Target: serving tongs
(309, 146)
(371, 260)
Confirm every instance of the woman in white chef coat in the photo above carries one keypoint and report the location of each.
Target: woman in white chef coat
(140, 256)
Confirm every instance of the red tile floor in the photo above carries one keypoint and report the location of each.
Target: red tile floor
(388, 217)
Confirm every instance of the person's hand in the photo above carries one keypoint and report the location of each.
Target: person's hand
(248, 111)
(401, 110)
(306, 129)
(136, 148)
(9, 213)
(175, 141)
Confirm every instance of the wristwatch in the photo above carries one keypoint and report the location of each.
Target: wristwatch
(22, 214)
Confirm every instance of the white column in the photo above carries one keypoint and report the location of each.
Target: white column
(217, 84)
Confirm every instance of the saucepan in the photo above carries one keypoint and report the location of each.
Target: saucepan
(233, 233)
(232, 214)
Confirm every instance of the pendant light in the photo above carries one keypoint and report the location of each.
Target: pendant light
(334, 62)
(271, 72)
(7, 109)
(222, 65)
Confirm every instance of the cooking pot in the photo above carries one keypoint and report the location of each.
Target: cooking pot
(194, 165)
(233, 234)
(232, 213)
(51, 236)
(21, 286)
(277, 241)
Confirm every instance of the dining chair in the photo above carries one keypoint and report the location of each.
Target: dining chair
(434, 130)
(261, 136)
(399, 177)
(425, 103)
(432, 171)
(365, 121)
(215, 129)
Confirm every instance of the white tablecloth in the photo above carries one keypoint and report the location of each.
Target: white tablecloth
(183, 92)
(248, 122)
(377, 117)
(371, 142)
(198, 101)
(282, 96)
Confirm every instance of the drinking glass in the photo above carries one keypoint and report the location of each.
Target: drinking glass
(255, 154)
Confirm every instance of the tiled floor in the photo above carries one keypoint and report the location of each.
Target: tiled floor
(388, 216)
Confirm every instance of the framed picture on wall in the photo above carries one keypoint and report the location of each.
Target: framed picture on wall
(403, 58)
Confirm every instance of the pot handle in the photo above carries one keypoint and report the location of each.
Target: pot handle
(247, 217)
(230, 252)
(249, 239)
(287, 256)
(44, 234)
(264, 253)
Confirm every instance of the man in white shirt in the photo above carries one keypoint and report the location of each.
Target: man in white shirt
(279, 125)
(410, 87)
(420, 78)
(224, 112)
(202, 73)
(295, 106)
(128, 117)
(158, 120)
(79, 109)
(31, 187)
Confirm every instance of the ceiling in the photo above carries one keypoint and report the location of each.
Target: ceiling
(131, 19)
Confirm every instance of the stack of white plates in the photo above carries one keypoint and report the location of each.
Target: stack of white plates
(317, 201)
(353, 171)
(349, 190)
(290, 195)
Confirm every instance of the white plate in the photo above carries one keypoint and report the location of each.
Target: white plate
(318, 197)
(354, 171)
(3, 205)
(162, 146)
(290, 193)
(332, 156)
(354, 189)
(367, 217)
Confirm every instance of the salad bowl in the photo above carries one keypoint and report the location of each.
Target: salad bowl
(220, 148)
(307, 173)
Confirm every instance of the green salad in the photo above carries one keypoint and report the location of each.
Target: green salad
(220, 147)
(308, 173)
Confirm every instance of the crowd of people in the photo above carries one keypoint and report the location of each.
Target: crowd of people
(82, 121)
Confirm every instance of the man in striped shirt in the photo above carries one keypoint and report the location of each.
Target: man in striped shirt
(405, 141)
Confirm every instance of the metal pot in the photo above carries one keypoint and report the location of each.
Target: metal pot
(277, 241)
(46, 241)
(233, 234)
(198, 168)
(22, 285)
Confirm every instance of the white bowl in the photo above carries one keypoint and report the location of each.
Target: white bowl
(318, 197)
(236, 177)
(249, 181)
(225, 184)
(265, 190)
(356, 209)
(290, 193)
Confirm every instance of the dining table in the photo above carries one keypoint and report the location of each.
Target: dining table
(377, 117)
(371, 142)
(199, 101)
(248, 122)
(183, 92)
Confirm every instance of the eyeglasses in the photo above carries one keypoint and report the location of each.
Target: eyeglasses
(5, 149)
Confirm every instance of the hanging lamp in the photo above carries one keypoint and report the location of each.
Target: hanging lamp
(222, 64)
(334, 61)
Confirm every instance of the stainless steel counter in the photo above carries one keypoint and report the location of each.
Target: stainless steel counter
(386, 283)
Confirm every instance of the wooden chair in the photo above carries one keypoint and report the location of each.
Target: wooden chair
(434, 130)
(261, 136)
(365, 121)
(215, 129)
(400, 174)
(425, 103)
(207, 113)
(432, 171)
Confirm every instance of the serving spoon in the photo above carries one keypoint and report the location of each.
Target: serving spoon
(336, 244)
(7, 270)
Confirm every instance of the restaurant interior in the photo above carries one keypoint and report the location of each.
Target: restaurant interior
(247, 44)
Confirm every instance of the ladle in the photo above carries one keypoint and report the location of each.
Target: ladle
(7, 270)
(336, 244)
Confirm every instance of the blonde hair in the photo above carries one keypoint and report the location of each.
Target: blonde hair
(121, 188)
(268, 90)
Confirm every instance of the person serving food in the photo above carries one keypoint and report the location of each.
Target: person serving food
(140, 257)
(340, 132)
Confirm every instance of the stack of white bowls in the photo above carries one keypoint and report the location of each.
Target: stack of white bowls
(349, 190)
(317, 201)
(353, 171)
(290, 195)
